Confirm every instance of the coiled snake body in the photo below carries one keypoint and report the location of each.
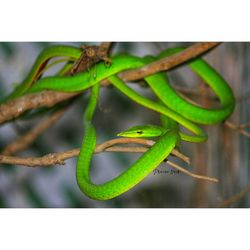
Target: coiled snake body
(173, 108)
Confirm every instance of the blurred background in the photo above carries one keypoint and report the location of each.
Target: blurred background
(225, 155)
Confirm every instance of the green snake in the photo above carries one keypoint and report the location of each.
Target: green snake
(173, 108)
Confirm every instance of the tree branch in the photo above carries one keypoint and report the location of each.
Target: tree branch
(192, 174)
(108, 146)
(59, 158)
(238, 128)
(169, 62)
(234, 198)
(15, 108)
(25, 140)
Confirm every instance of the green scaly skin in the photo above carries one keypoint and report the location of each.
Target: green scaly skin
(133, 175)
(40, 63)
(174, 110)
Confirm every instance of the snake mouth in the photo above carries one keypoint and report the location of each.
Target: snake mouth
(128, 134)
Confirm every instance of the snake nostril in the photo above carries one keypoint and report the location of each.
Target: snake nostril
(139, 132)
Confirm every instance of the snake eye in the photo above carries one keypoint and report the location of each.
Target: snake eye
(139, 132)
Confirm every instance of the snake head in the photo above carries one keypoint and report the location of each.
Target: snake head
(143, 131)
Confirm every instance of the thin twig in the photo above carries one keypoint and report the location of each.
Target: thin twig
(25, 140)
(234, 198)
(123, 149)
(207, 96)
(15, 108)
(146, 142)
(192, 174)
(245, 125)
(238, 128)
